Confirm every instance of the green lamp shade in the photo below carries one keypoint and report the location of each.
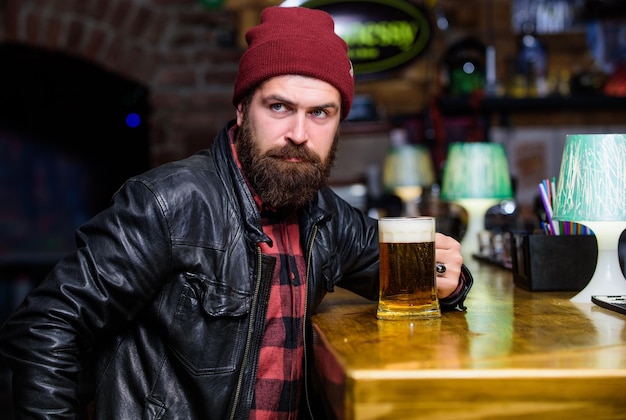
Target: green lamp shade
(476, 170)
(592, 179)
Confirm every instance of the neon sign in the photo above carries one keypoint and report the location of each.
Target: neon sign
(381, 34)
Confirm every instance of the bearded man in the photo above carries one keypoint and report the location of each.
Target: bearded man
(191, 296)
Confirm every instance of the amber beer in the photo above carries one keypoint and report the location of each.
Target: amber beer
(407, 268)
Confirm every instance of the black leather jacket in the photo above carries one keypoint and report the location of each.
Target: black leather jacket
(163, 303)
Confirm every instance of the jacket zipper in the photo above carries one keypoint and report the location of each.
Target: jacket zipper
(249, 337)
(304, 324)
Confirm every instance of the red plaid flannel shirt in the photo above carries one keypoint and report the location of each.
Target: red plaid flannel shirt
(279, 377)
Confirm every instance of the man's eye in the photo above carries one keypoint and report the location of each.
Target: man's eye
(320, 113)
(278, 107)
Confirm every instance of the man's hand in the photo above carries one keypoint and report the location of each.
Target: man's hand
(448, 253)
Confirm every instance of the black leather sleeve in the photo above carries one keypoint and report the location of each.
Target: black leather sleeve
(456, 301)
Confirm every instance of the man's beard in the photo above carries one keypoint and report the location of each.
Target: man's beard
(282, 184)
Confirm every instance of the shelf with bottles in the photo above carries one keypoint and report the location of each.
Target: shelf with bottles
(465, 105)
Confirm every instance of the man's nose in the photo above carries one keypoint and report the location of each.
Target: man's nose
(298, 134)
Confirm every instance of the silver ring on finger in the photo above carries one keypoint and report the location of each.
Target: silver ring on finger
(440, 269)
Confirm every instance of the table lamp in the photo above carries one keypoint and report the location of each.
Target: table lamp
(476, 177)
(408, 169)
(591, 190)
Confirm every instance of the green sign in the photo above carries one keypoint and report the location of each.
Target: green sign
(381, 34)
(212, 4)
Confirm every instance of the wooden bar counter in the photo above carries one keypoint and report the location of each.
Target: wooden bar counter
(514, 354)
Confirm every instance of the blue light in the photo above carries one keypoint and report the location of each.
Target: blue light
(468, 68)
(133, 120)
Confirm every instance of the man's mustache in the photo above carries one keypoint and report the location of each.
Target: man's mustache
(293, 152)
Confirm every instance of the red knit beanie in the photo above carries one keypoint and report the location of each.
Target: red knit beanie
(295, 40)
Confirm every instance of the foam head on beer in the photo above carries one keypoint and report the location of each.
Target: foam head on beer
(406, 229)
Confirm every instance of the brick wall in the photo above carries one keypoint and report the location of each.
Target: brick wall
(185, 54)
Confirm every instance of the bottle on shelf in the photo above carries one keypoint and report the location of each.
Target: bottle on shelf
(532, 61)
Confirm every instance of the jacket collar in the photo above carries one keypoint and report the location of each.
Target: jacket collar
(234, 181)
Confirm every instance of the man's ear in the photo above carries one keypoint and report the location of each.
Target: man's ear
(240, 114)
